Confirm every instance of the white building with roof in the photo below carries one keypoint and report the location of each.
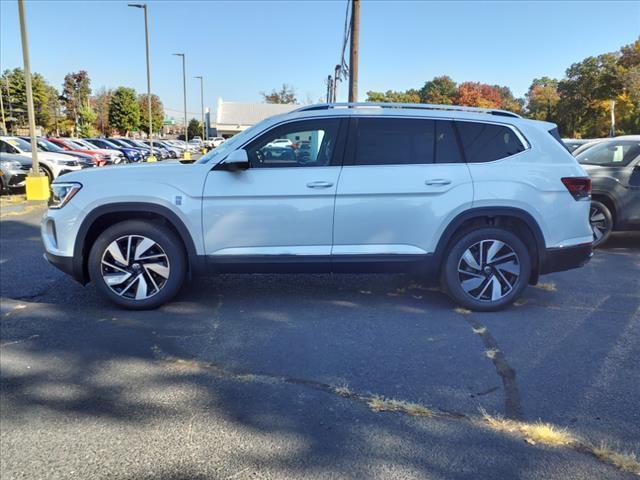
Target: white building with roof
(234, 117)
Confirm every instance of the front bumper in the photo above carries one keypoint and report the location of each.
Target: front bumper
(565, 258)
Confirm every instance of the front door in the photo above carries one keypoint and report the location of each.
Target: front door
(281, 208)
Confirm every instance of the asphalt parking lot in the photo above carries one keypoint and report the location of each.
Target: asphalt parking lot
(315, 376)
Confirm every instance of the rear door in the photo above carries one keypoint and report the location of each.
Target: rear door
(403, 180)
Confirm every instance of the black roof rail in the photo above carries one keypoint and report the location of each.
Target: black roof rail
(409, 106)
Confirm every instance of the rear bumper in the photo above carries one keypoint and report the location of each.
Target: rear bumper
(565, 258)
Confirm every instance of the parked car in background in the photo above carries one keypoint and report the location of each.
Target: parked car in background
(586, 146)
(217, 141)
(115, 157)
(144, 152)
(573, 143)
(280, 143)
(47, 146)
(175, 152)
(130, 154)
(166, 152)
(614, 168)
(484, 200)
(53, 164)
(100, 158)
(13, 171)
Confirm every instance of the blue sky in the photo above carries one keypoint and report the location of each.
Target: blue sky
(245, 47)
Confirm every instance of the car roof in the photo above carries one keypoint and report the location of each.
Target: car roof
(410, 110)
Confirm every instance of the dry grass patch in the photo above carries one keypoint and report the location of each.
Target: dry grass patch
(491, 353)
(462, 311)
(342, 390)
(626, 461)
(546, 286)
(381, 404)
(532, 433)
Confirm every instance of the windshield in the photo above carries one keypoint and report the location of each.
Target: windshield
(19, 143)
(232, 143)
(84, 144)
(615, 153)
(48, 146)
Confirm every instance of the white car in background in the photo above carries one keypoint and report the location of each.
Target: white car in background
(53, 164)
(216, 141)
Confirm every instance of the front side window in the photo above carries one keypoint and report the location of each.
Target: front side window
(405, 141)
(610, 154)
(486, 142)
(309, 143)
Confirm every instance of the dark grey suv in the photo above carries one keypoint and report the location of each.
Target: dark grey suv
(614, 168)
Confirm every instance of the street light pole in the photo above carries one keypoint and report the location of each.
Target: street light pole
(37, 185)
(354, 51)
(152, 158)
(187, 155)
(202, 105)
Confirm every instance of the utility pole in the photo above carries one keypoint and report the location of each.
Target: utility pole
(37, 185)
(4, 124)
(151, 158)
(336, 79)
(329, 88)
(612, 133)
(354, 50)
(186, 155)
(202, 107)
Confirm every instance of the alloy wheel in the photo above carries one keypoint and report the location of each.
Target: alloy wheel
(598, 222)
(488, 270)
(135, 267)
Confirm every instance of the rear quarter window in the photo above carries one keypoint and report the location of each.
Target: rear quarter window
(486, 142)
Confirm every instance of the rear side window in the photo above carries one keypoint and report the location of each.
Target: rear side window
(402, 141)
(485, 142)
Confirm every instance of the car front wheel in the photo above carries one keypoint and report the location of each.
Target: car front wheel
(137, 264)
(486, 269)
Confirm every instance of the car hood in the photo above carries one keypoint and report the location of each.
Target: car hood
(50, 156)
(137, 173)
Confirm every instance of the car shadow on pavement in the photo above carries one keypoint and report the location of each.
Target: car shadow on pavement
(199, 388)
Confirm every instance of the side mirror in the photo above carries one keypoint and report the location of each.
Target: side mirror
(237, 160)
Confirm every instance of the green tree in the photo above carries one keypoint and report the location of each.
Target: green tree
(441, 91)
(14, 98)
(76, 89)
(86, 120)
(391, 96)
(100, 103)
(157, 113)
(542, 99)
(124, 110)
(195, 128)
(286, 94)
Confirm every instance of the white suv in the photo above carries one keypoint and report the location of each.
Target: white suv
(484, 200)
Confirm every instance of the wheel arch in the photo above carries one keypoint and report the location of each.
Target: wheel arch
(104, 216)
(609, 201)
(514, 219)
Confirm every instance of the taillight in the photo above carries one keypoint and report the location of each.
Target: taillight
(579, 187)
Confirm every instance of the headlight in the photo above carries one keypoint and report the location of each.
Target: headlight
(10, 164)
(68, 163)
(61, 193)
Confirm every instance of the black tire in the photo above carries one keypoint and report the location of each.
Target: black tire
(510, 285)
(601, 222)
(167, 241)
(48, 173)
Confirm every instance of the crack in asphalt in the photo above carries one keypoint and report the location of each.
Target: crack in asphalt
(512, 403)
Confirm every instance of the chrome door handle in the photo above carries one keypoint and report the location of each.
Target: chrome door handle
(438, 181)
(319, 184)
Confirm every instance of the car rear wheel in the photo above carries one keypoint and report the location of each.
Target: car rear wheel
(137, 264)
(601, 222)
(486, 269)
